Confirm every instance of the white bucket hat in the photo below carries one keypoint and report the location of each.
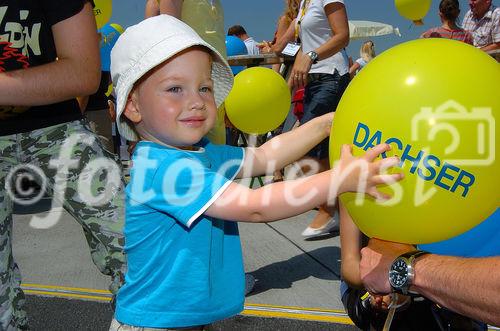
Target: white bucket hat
(151, 42)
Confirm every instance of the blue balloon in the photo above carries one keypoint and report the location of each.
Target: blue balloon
(109, 36)
(483, 240)
(235, 46)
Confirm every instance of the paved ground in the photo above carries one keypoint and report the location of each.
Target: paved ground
(57, 314)
(297, 284)
(297, 280)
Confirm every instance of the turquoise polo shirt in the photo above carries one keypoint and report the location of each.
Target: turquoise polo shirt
(184, 268)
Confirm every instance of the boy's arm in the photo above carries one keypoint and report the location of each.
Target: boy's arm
(272, 202)
(76, 72)
(286, 148)
(292, 197)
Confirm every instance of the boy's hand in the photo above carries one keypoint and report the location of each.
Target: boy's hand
(363, 174)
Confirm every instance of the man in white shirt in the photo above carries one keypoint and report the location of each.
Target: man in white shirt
(483, 21)
(239, 31)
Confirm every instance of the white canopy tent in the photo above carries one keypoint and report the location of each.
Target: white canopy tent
(364, 29)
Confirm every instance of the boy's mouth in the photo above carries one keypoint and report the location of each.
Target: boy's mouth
(193, 121)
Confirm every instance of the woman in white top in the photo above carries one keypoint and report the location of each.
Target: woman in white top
(321, 65)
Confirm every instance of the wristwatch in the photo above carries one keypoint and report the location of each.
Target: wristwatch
(402, 273)
(314, 56)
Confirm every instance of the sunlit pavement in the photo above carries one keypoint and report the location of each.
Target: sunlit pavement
(297, 281)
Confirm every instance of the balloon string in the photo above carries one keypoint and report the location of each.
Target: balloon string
(392, 310)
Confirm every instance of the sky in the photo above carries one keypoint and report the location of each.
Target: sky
(259, 17)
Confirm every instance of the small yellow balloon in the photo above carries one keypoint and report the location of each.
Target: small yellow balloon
(414, 10)
(440, 120)
(259, 101)
(102, 12)
(117, 27)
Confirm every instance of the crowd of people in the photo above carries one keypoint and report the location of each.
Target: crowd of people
(183, 267)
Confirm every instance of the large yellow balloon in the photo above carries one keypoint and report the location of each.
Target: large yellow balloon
(414, 10)
(102, 12)
(435, 101)
(259, 101)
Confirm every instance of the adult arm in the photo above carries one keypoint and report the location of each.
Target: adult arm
(171, 7)
(465, 285)
(285, 34)
(76, 72)
(491, 47)
(337, 18)
(152, 8)
(495, 32)
(283, 24)
(281, 41)
(353, 68)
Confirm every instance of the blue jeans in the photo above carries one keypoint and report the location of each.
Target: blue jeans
(322, 95)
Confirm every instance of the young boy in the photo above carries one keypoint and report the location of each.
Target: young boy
(185, 266)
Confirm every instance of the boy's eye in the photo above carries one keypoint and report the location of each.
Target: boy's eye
(175, 89)
(206, 89)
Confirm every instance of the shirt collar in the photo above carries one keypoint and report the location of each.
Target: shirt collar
(486, 15)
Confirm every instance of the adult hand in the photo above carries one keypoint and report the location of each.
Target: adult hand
(300, 70)
(376, 259)
(265, 47)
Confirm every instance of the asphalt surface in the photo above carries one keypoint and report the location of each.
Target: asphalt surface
(56, 314)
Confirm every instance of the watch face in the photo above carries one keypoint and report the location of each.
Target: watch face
(398, 275)
(313, 55)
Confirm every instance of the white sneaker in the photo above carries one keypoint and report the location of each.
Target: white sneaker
(332, 225)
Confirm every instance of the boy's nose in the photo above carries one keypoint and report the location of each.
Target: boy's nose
(196, 101)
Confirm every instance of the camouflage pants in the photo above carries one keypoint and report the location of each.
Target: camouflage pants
(77, 171)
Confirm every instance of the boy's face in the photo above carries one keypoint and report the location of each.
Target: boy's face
(175, 104)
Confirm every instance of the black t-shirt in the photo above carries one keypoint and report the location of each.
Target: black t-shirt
(26, 40)
(99, 100)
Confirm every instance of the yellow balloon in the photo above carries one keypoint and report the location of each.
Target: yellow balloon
(102, 12)
(259, 101)
(414, 10)
(435, 101)
(117, 27)
(207, 19)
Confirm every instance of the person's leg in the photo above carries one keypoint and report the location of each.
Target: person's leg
(322, 96)
(323, 222)
(12, 313)
(87, 181)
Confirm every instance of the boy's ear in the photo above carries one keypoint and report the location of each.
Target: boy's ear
(131, 110)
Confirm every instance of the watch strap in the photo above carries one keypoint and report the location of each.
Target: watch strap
(413, 254)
